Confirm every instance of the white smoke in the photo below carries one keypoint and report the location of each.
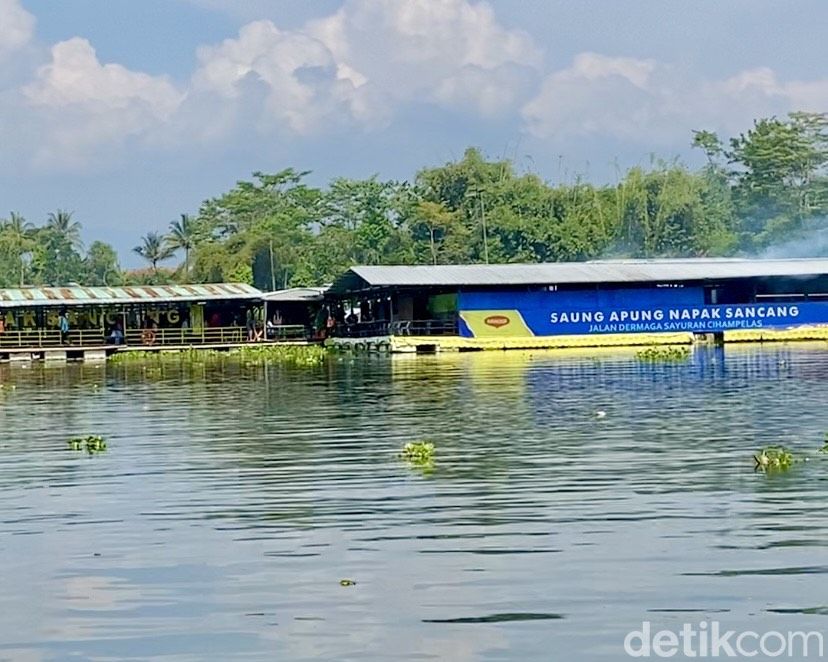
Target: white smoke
(810, 241)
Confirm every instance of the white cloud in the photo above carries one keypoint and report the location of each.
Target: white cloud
(360, 63)
(352, 71)
(655, 104)
(16, 27)
(302, 86)
(76, 77)
(597, 94)
(449, 52)
(489, 92)
(84, 105)
(758, 88)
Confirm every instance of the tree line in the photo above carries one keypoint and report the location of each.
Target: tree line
(765, 186)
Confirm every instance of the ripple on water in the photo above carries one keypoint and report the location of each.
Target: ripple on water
(232, 499)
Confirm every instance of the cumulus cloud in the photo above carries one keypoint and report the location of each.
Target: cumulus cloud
(304, 87)
(83, 104)
(16, 27)
(354, 70)
(449, 52)
(657, 104)
(360, 63)
(350, 70)
(75, 77)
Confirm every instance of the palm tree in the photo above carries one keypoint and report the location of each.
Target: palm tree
(153, 250)
(18, 231)
(61, 223)
(182, 235)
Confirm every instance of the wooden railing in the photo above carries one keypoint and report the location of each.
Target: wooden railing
(36, 338)
(49, 338)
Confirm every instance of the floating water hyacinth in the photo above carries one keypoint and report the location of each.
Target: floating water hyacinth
(291, 355)
(296, 355)
(663, 354)
(773, 458)
(91, 444)
(418, 452)
(190, 355)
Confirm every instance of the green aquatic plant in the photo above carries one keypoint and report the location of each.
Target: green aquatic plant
(773, 458)
(824, 448)
(293, 355)
(259, 354)
(191, 354)
(418, 452)
(657, 354)
(92, 444)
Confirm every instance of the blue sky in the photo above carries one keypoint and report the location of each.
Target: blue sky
(130, 113)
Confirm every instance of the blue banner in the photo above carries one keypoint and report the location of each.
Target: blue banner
(544, 313)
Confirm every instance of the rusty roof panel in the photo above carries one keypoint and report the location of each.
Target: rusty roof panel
(50, 296)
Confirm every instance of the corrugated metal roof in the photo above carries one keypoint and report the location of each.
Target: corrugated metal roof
(601, 271)
(296, 294)
(77, 295)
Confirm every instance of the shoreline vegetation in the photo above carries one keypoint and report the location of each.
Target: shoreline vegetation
(761, 193)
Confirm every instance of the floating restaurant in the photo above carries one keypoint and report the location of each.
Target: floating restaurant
(584, 304)
(436, 308)
(100, 321)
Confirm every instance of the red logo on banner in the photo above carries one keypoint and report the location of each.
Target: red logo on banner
(496, 321)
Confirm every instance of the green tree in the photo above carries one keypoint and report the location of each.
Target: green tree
(670, 212)
(441, 231)
(260, 227)
(17, 233)
(61, 224)
(182, 236)
(710, 143)
(101, 265)
(471, 186)
(55, 256)
(369, 214)
(777, 163)
(153, 250)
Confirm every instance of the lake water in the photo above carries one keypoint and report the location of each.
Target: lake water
(232, 499)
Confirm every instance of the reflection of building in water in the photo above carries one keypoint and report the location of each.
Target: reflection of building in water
(588, 304)
(577, 388)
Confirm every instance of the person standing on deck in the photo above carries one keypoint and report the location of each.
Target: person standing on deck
(63, 326)
(250, 325)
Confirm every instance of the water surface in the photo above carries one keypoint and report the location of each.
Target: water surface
(234, 498)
